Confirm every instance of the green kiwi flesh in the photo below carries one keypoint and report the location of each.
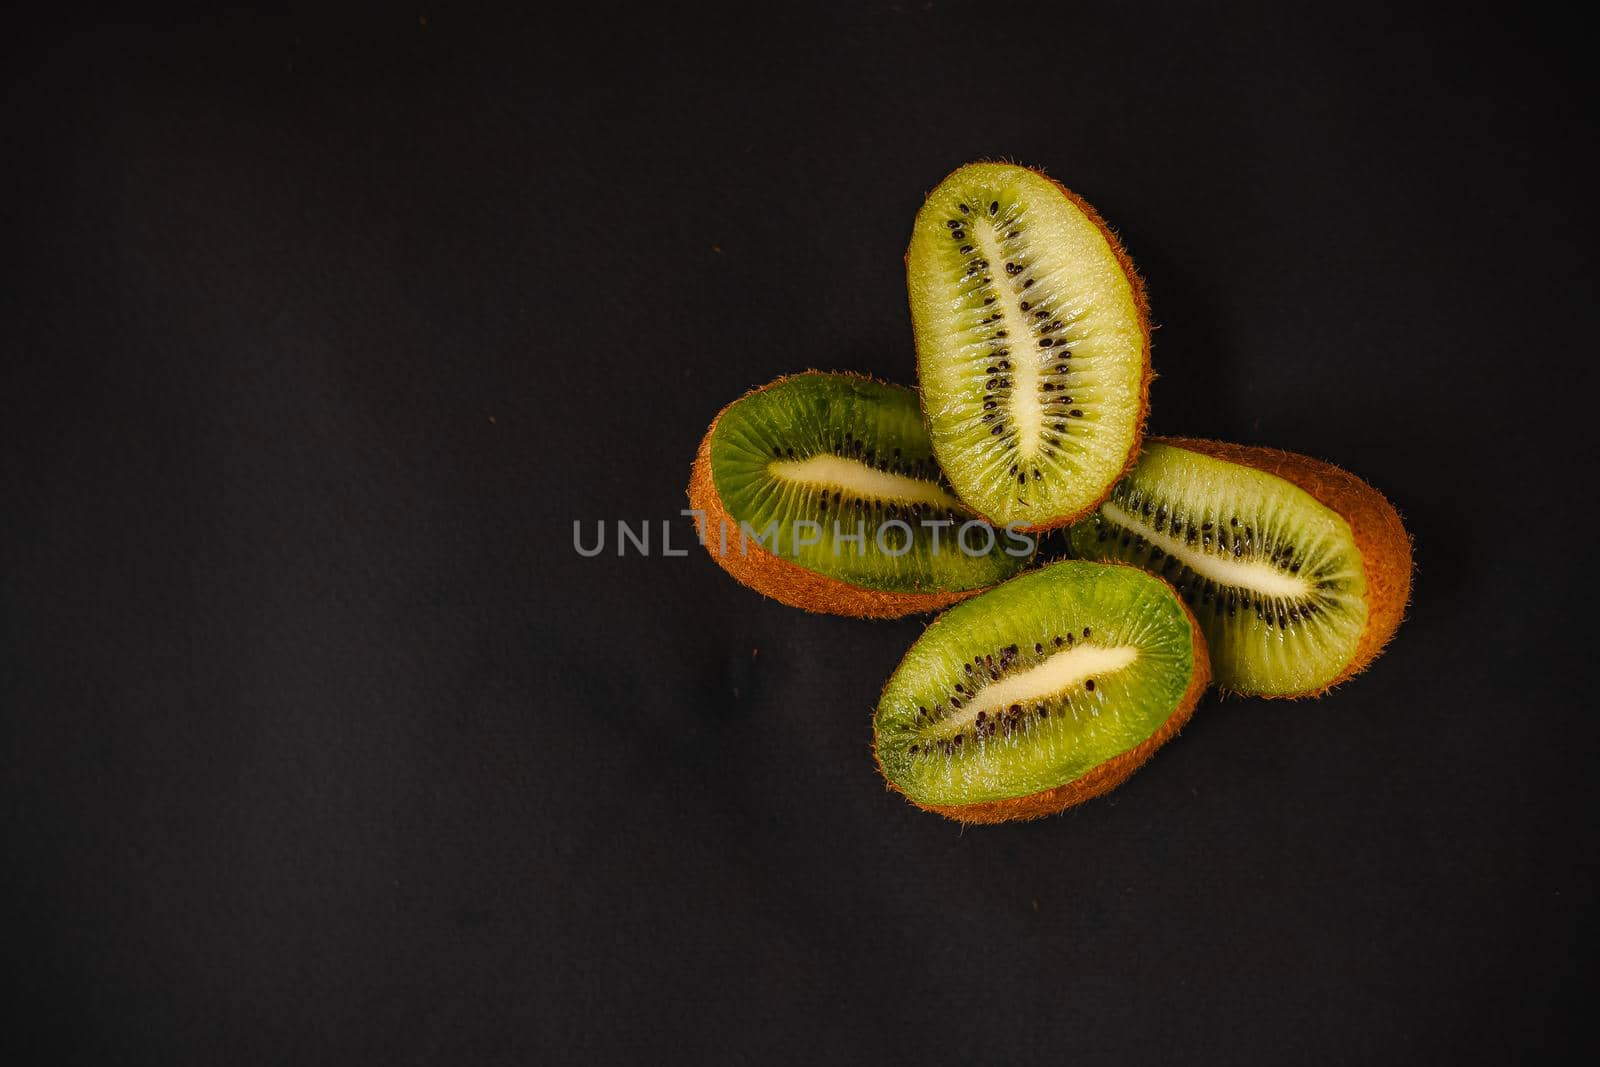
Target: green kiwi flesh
(1035, 684)
(1274, 577)
(835, 473)
(1032, 344)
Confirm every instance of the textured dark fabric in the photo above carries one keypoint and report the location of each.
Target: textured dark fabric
(323, 745)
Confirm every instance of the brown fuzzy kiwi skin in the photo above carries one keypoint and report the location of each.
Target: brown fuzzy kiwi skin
(784, 580)
(1141, 304)
(1098, 780)
(1381, 538)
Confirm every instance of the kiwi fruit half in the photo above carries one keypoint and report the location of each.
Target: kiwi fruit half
(1298, 571)
(1033, 344)
(821, 491)
(1041, 693)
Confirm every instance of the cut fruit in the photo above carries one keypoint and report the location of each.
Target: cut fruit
(1033, 345)
(1298, 571)
(1040, 694)
(820, 491)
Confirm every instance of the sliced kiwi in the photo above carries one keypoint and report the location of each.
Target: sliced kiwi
(1298, 571)
(1041, 693)
(1033, 344)
(820, 490)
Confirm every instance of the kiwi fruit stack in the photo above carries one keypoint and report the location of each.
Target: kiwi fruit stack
(1188, 561)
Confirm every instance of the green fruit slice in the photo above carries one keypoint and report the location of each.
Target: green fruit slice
(1274, 576)
(1039, 693)
(834, 473)
(1032, 344)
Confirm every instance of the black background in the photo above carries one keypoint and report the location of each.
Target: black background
(323, 745)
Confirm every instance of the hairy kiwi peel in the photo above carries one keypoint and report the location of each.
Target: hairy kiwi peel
(1104, 776)
(1380, 537)
(782, 579)
(1141, 304)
